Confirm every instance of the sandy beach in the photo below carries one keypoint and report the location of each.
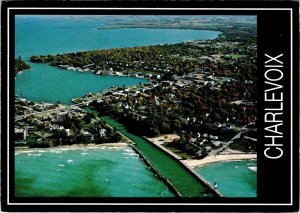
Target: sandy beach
(164, 138)
(76, 146)
(219, 158)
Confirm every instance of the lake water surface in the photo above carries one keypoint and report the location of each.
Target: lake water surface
(234, 179)
(83, 172)
(36, 35)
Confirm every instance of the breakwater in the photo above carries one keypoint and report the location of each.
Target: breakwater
(186, 184)
(161, 177)
(157, 174)
(85, 171)
(191, 171)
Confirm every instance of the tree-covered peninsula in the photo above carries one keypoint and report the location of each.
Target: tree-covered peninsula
(233, 43)
(204, 91)
(20, 65)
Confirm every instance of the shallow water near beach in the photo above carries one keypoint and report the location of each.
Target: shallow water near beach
(85, 172)
(105, 171)
(186, 184)
(234, 179)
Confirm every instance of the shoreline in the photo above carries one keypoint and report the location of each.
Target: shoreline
(75, 146)
(219, 158)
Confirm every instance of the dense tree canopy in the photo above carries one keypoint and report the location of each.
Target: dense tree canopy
(20, 65)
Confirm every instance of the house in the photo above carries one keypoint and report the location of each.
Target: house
(86, 136)
(213, 137)
(207, 148)
(21, 134)
(42, 106)
(199, 154)
(102, 133)
(179, 84)
(68, 131)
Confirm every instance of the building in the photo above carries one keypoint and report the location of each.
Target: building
(20, 134)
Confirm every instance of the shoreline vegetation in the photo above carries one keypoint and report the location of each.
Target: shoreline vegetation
(163, 59)
(212, 79)
(20, 66)
(204, 91)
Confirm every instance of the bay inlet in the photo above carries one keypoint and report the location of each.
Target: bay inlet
(91, 172)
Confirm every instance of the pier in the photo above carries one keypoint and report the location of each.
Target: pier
(161, 177)
(189, 169)
(184, 180)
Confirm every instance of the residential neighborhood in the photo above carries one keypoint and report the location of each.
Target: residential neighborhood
(204, 91)
(46, 125)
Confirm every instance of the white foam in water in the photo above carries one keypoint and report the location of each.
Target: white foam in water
(70, 161)
(55, 151)
(26, 151)
(35, 155)
(131, 157)
(85, 153)
(92, 147)
(58, 170)
(61, 165)
(116, 147)
(128, 150)
(41, 151)
(130, 153)
(65, 149)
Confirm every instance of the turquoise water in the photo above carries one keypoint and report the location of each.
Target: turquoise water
(41, 35)
(85, 172)
(49, 84)
(99, 172)
(37, 35)
(185, 183)
(234, 179)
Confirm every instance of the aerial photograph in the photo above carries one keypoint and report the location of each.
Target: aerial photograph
(129, 106)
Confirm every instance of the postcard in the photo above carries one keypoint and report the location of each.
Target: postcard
(177, 106)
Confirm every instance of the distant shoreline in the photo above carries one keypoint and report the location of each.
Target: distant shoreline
(219, 158)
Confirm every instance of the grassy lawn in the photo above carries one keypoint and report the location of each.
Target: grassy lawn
(236, 56)
(178, 152)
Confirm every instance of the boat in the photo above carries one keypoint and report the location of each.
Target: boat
(253, 168)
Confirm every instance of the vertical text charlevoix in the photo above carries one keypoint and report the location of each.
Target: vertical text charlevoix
(273, 106)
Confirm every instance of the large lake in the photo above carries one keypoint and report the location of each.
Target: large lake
(100, 172)
(85, 172)
(36, 35)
